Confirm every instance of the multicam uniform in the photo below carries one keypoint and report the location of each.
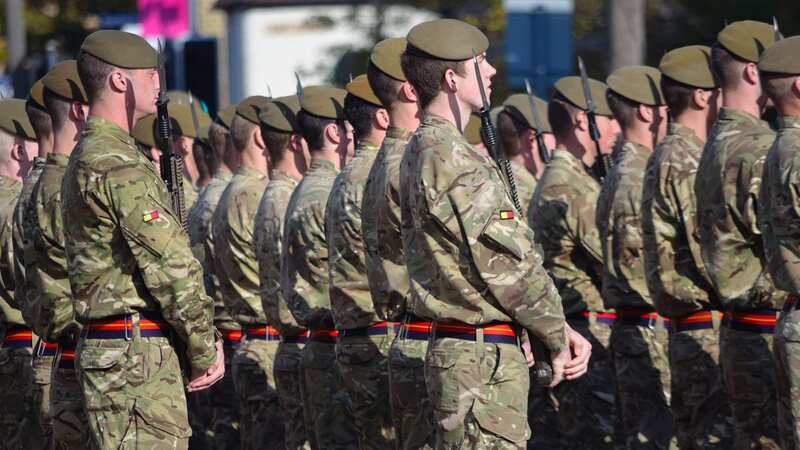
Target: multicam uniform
(267, 244)
(138, 292)
(388, 283)
(681, 290)
(261, 418)
(304, 279)
(526, 185)
(456, 206)
(727, 186)
(562, 216)
(639, 336)
(361, 350)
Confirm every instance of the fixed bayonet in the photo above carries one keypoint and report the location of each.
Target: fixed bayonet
(777, 29)
(298, 88)
(269, 91)
(195, 121)
(603, 162)
(544, 155)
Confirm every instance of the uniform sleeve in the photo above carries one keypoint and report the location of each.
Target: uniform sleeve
(501, 244)
(161, 249)
(242, 269)
(581, 221)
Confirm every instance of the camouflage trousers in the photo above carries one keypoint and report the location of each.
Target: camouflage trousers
(479, 394)
(41, 419)
(364, 367)
(641, 368)
(134, 392)
(748, 370)
(70, 423)
(326, 400)
(224, 406)
(16, 399)
(579, 413)
(260, 415)
(411, 407)
(291, 393)
(787, 362)
(699, 403)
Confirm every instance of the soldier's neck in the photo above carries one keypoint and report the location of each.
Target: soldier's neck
(640, 134)
(45, 145)
(447, 106)
(747, 100)
(114, 111)
(288, 166)
(695, 121)
(328, 153)
(405, 115)
(64, 140)
(251, 161)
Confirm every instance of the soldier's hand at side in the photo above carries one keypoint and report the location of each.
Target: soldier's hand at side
(581, 350)
(559, 361)
(526, 350)
(203, 379)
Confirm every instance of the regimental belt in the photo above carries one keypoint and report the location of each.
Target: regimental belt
(263, 333)
(66, 357)
(18, 336)
(700, 320)
(324, 335)
(641, 317)
(417, 330)
(231, 337)
(496, 334)
(121, 327)
(44, 348)
(761, 321)
(606, 318)
(378, 329)
(299, 338)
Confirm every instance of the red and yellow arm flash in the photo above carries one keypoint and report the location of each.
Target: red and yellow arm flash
(150, 215)
(506, 214)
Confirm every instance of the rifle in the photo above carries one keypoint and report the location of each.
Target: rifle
(544, 155)
(543, 371)
(602, 166)
(171, 163)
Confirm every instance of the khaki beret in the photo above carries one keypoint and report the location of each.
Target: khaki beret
(179, 97)
(326, 102)
(519, 107)
(281, 114)
(690, 65)
(182, 122)
(250, 107)
(571, 90)
(641, 84)
(360, 88)
(472, 132)
(121, 49)
(747, 39)
(447, 39)
(225, 116)
(37, 94)
(385, 57)
(14, 119)
(63, 80)
(782, 57)
(203, 137)
(144, 130)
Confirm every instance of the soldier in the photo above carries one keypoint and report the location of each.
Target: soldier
(49, 302)
(221, 398)
(260, 415)
(726, 186)
(676, 277)
(288, 161)
(471, 259)
(778, 213)
(639, 335)
(363, 343)
(304, 266)
(137, 288)
(17, 396)
(562, 216)
(383, 247)
(516, 131)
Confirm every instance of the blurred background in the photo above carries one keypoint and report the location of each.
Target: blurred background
(225, 50)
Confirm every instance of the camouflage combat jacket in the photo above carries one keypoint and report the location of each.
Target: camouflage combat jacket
(470, 257)
(9, 194)
(526, 186)
(22, 226)
(126, 250)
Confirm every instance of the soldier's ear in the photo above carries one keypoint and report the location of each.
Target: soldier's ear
(407, 92)
(381, 119)
(258, 139)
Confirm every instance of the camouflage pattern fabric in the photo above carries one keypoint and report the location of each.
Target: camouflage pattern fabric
(260, 412)
(679, 284)
(22, 226)
(361, 360)
(267, 243)
(778, 214)
(70, 423)
(9, 312)
(727, 188)
(411, 409)
(454, 204)
(526, 185)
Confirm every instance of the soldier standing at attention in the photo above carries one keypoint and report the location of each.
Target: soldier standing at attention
(288, 160)
(727, 185)
(18, 402)
(472, 261)
(261, 417)
(778, 215)
(221, 398)
(304, 269)
(50, 299)
(383, 248)
(562, 216)
(639, 336)
(137, 288)
(361, 350)
(676, 277)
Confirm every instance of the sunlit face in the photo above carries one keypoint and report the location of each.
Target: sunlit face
(145, 85)
(469, 91)
(609, 129)
(660, 121)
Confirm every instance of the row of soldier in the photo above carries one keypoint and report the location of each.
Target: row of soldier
(383, 300)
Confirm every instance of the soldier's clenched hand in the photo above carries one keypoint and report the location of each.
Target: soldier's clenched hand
(581, 352)
(203, 379)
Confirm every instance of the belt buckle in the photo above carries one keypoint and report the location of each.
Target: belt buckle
(652, 321)
(125, 321)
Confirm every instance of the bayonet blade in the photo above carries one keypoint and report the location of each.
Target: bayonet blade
(162, 76)
(299, 87)
(195, 122)
(484, 100)
(776, 28)
(587, 93)
(531, 95)
(269, 91)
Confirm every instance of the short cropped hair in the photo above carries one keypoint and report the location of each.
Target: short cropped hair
(677, 95)
(559, 114)
(360, 114)
(313, 129)
(93, 73)
(385, 87)
(276, 142)
(40, 120)
(509, 130)
(426, 74)
(241, 129)
(726, 66)
(624, 110)
(58, 107)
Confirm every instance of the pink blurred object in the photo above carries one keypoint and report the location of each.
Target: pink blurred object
(168, 18)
